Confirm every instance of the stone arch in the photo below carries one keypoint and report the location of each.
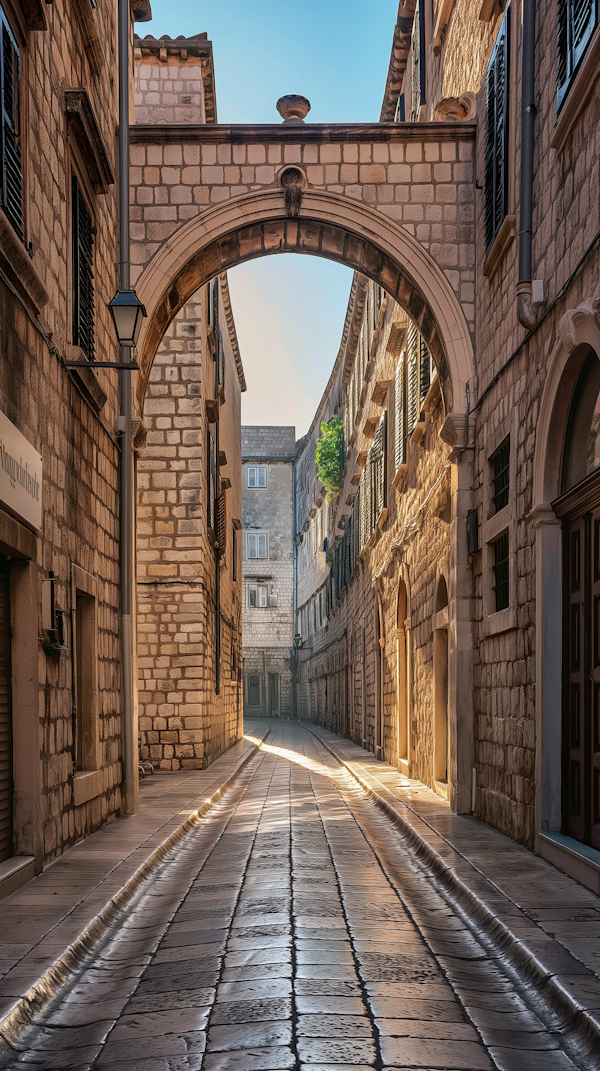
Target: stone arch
(577, 331)
(330, 226)
(379, 630)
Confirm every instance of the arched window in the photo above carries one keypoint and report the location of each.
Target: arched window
(582, 442)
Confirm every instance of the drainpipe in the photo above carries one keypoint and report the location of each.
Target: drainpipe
(525, 311)
(130, 742)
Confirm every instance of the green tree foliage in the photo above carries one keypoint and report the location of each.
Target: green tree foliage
(329, 456)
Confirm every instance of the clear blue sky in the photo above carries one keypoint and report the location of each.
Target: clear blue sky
(289, 310)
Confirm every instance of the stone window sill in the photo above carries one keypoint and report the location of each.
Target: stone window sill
(86, 786)
(441, 787)
(501, 621)
(578, 94)
(577, 860)
(501, 243)
(21, 267)
(87, 379)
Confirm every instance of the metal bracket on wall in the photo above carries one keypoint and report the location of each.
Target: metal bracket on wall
(133, 366)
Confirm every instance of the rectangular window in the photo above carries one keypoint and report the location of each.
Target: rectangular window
(12, 176)
(500, 462)
(257, 545)
(85, 682)
(257, 476)
(399, 417)
(496, 154)
(258, 595)
(253, 690)
(577, 20)
(82, 239)
(234, 554)
(500, 568)
(211, 477)
(418, 98)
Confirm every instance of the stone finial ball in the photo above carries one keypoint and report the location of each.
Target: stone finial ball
(293, 107)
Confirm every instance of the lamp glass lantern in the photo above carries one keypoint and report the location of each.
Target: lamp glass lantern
(127, 313)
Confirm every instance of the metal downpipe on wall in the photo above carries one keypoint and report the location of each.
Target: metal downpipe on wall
(526, 314)
(129, 728)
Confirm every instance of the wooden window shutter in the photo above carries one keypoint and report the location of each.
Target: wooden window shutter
(412, 376)
(377, 455)
(577, 20)
(399, 416)
(496, 156)
(83, 303)
(211, 482)
(12, 176)
(418, 97)
(221, 520)
(424, 370)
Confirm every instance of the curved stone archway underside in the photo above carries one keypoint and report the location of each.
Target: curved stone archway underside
(334, 227)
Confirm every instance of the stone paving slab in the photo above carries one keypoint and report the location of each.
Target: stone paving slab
(41, 919)
(551, 921)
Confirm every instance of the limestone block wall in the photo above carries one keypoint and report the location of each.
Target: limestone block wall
(184, 722)
(75, 433)
(174, 80)
(338, 668)
(268, 632)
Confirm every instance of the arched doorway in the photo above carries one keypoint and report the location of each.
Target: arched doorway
(379, 653)
(578, 507)
(578, 333)
(440, 687)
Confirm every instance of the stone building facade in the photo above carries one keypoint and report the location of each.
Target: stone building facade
(268, 569)
(188, 473)
(60, 709)
(461, 635)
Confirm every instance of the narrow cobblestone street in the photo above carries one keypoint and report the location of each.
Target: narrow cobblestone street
(293, 928)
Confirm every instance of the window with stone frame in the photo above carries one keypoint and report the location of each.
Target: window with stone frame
(258, 595)
(499, 528)
(372, 488)
(83, 305)
(577, 20)
(11, 191)
(413, 378)
(257, 476)
(257, 545)
(418, 96)
(496, 126)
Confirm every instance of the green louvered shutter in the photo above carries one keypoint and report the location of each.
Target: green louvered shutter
(12, 177)
(377, 469)
(577, 20)
(424, 370)
(496, 157)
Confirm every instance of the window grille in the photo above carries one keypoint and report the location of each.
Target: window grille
(83, 302)
(12, 175)
(577, 20)
(500, 567)
(496, 154)
(221, 521)
(500, 462)
(257, 545)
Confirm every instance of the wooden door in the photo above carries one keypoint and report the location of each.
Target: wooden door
(6, 778)
(581, 678)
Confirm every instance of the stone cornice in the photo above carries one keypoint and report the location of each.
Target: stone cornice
(81, 118)
(297, 133)
(398, 59)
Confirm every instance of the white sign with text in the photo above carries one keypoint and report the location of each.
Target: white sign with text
(20, 475)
